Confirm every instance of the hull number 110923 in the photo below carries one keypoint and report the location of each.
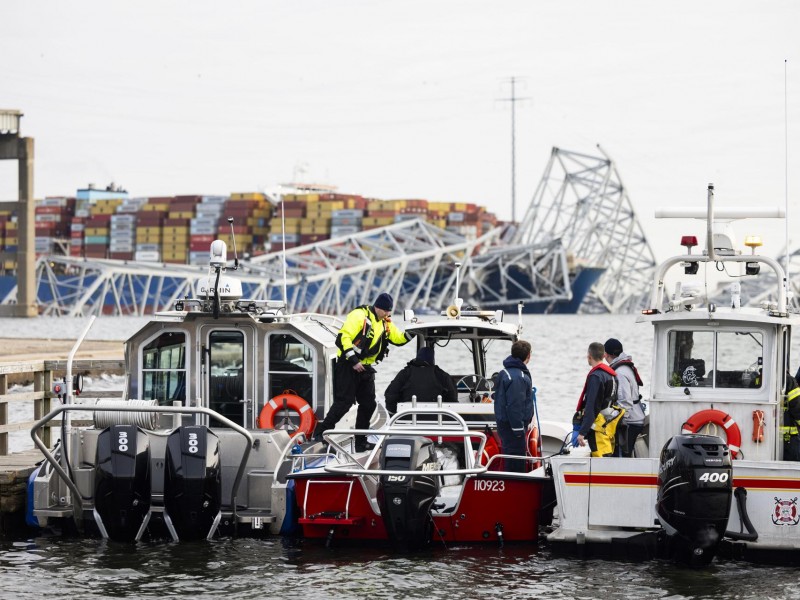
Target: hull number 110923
(490, 485)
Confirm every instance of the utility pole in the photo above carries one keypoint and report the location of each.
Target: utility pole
(513, 100)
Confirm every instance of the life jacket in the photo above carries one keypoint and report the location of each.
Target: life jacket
(361, 341)
(610, 389)
(791, 413)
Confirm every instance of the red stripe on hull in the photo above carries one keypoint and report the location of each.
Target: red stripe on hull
(618, 479)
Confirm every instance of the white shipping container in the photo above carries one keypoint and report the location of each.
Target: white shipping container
(204, 230)
(127, 219)
(344, 230)
(77, 227)
(207, 221)
(350, 213)
(213, 200)
(47, 218)
(455, 217)
(147, 256)
(52, 202)
(277, 238)
(148, 248)
(76, 241)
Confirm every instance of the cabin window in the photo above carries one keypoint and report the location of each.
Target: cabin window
(719, 359)
(164, 368)
(226, 373)
(291, 366)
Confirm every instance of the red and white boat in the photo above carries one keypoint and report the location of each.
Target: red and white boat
(714, 478)
(435, 474)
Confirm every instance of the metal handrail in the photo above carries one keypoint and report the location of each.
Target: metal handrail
(355, 468)
(157, 409)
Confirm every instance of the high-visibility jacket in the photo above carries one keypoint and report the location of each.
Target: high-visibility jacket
(364, 338)
(789, 427)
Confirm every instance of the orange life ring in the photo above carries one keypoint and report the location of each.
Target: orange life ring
(700, 419)
(533, 442)
(289, 399)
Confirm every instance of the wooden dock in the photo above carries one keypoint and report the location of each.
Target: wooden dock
(16, 467)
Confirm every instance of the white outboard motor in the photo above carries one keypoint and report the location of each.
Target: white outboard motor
(695, 479)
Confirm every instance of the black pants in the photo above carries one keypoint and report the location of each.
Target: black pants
(625, 439)
(512, 443)
(350, 386)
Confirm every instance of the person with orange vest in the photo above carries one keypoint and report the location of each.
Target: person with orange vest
(599, 392)
(363, 341)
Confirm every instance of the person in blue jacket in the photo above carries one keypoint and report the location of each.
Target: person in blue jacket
(513, 404)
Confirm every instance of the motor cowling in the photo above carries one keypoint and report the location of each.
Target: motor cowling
(192, 484)
(122, 480)
(406, 500)
(695, 480)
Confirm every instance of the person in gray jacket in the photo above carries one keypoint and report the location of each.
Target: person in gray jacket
(628, 397)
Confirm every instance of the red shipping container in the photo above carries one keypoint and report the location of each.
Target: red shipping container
(176, 222)
(310, 238)
(153, 220)
(121, 255)
(98, 221)
(182, 206)
(50, 210)
(206, 239)
(199, 246)
(193, 198)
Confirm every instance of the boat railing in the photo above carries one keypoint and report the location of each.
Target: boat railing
(126, 407)
(395, 429)
(657, 293)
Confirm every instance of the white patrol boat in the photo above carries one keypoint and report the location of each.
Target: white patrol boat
(220, 391)
(714, 479)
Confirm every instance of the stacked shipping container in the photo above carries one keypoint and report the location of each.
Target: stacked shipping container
(180, 229)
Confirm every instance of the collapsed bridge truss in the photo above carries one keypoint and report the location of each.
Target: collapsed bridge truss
(580, 216)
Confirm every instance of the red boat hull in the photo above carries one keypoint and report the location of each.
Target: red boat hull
(493, 506)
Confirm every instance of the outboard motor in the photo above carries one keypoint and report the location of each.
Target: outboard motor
(406, 500)
(695, 479)
(122, 481)
(192, 488)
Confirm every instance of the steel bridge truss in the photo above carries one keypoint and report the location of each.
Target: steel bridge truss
(580, 215)
(582, 202)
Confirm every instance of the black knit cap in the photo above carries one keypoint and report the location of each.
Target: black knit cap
(613, 347)
(384, 302)
(425, 354)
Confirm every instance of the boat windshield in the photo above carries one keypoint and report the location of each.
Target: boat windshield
(164, 368)
(716, 359)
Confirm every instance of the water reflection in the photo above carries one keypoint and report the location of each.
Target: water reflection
(274, 567)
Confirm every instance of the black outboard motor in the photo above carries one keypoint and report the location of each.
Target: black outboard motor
(695, 479)
(192, 488)
(406, 500)
(122, 480)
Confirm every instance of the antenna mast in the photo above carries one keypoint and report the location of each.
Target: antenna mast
(513, 100)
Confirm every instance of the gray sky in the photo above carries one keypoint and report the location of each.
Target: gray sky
(401, 99)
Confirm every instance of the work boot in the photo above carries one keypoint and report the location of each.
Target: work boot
(362, 445)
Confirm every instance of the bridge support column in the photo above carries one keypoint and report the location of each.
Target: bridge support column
(14, 147)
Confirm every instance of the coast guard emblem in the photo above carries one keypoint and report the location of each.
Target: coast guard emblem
(785, 512)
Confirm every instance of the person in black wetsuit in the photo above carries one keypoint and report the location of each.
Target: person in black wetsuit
(420, 378)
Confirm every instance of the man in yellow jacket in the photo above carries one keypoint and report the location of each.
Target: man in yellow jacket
(363, 341)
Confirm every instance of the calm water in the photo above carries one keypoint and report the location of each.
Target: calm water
(245, 568)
